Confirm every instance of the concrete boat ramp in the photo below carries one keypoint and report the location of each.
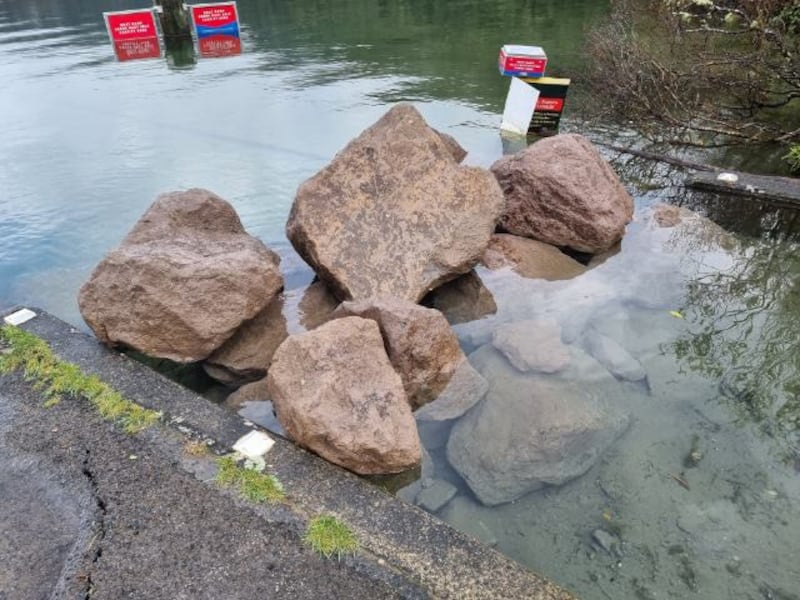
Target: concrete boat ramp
(89, 511)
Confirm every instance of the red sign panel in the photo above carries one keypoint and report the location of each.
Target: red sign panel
(131, 25)
(214, 15)
(133, 34)
(219, 45)
(550, 104)
(134, 49)
(217, 28)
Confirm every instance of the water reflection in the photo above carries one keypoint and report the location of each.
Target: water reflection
(88, 143)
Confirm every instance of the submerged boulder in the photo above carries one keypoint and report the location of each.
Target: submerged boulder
(613, 356)
(394, 214)
(530, 258)
(335, 392)
(531, 430)
(533, 345)
(421, 346)
(561, 191)
(463, 299)
(182, 281)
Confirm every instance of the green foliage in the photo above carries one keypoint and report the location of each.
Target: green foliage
(328, 536)
(56, 379)
(252, 484)
(789, 18)
(793, 158)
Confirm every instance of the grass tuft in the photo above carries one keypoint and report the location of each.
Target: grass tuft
(328, 536)
(252, 485)
(56, 379)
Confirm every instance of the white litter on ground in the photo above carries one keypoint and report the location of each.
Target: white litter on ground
(254, 445)
(18, 318)
(728, 177)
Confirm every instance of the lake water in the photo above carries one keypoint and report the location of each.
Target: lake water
(87, 143)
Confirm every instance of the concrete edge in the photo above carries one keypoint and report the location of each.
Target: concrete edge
(418, 554)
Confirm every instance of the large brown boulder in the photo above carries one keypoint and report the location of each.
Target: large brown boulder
(530, 258)
(182, 281)
(561, 191)
(394, 214)
(335, 392)
(246, 356)
(421, 346)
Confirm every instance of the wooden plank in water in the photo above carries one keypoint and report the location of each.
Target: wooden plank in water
(760, 187)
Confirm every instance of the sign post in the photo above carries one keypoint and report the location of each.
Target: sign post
(217, 28)
(133, 34)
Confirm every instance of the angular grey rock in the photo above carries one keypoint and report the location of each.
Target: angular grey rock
(530, 258)
(530, 431)
(561, 191)
(613, 357)
(464, 390)
(533, 345)
(182, 281)
(335, 392)
(393, 214)
(247, 355)
(605, 540)
(434, 496)
(421, 347)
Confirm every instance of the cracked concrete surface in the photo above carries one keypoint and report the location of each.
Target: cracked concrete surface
(88, 511)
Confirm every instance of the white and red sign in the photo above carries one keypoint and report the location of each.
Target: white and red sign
(133, 34)
(522, 61)
(217, 28)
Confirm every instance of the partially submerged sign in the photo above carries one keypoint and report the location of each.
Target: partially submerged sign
(549, 106)
(133, 34)
(521, 100)
(217, 28)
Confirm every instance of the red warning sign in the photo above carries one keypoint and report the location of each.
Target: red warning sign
(133, 34)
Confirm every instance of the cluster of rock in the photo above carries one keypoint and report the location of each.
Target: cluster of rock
(392, 220)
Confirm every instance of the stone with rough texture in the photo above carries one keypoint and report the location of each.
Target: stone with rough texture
(613, 356)
(247, 355)
(530, 431)
(456, 150)
(182, 281)
(335, 392)
(561, 191)
(421, 346)
(316, 305)
(463, 299)
(435, 495)
(255, 391)
(533, 345)
(393, 214)
(530, 258)
(464, 390)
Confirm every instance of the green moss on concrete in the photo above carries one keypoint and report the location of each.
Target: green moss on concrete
(329, 536)
(25, 352)
(251, 484)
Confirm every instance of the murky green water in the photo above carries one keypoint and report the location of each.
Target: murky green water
(87, 143)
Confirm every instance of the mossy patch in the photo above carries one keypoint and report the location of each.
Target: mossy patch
(253, 485)
(56, 379)
(329, 536)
